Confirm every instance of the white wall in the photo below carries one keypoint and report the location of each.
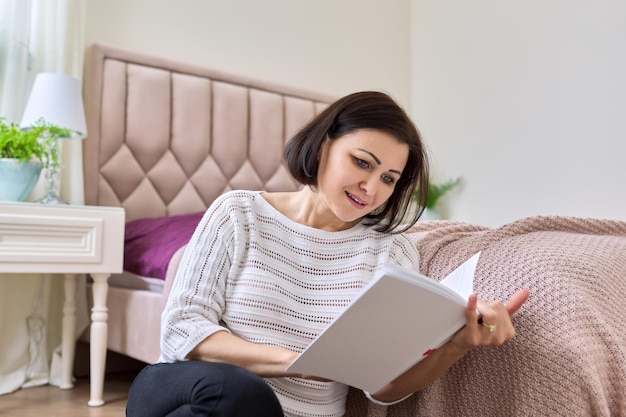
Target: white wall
(526, 99)
(335, 47)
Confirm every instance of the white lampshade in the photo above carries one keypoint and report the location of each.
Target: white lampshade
(56, 98)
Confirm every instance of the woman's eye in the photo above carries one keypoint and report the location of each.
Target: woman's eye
(387, 179)
(362, 163)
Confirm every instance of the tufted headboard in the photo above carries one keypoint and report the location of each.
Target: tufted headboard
(166, 138)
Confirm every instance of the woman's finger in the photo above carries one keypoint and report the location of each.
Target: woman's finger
(471, 312)
(516, 301)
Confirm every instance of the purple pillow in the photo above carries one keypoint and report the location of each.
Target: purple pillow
(149, 244)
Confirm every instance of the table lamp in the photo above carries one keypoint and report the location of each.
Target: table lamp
(55, 99)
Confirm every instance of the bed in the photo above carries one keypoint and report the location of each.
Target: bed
(166, 138)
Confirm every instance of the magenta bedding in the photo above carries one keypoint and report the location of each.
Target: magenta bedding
(149, 244)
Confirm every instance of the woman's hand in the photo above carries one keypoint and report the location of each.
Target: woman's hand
(494, 315)
(493, 327)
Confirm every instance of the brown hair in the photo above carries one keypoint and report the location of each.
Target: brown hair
(366, 110)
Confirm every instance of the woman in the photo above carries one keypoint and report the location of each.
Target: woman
(264, 273)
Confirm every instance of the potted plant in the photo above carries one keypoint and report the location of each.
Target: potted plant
(435, 192)
(23, 154)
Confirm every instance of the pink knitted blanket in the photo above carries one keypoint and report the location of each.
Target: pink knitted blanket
(569, 354)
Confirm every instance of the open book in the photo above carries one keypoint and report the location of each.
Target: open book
(396, 321)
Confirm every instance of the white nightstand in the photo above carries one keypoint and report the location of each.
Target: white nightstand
(70, 240)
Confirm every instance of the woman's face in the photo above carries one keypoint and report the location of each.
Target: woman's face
(358, 172)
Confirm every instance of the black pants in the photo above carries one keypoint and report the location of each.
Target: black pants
(196, 388)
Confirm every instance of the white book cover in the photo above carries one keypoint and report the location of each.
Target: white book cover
(398, 318)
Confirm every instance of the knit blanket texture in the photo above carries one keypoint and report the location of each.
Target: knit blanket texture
(568, 357)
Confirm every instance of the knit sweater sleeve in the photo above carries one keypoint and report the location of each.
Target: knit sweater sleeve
(402, 253)
(196, 302)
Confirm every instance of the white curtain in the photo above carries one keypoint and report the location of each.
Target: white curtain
(38, 36)
(13, 58)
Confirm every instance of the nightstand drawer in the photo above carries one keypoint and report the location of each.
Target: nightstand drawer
(60, 239)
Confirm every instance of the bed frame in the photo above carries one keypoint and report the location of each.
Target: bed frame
(166, 138)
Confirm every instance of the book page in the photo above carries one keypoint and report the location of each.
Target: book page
(461, 280)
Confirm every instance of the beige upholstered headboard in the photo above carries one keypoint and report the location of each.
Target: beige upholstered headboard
(166, 138)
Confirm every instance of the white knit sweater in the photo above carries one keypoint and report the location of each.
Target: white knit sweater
(267, 279)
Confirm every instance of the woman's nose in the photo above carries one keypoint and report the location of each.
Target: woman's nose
(368, 185)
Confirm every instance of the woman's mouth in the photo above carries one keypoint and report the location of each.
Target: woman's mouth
(357, 202)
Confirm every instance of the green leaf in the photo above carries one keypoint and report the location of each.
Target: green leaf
(436, 191)
(37, 143)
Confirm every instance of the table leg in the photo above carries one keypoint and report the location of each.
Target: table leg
(98, 338)
(68, 341)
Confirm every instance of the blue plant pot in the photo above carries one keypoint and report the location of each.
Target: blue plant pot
(17, 179)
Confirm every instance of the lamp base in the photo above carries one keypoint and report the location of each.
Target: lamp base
(51, 198)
